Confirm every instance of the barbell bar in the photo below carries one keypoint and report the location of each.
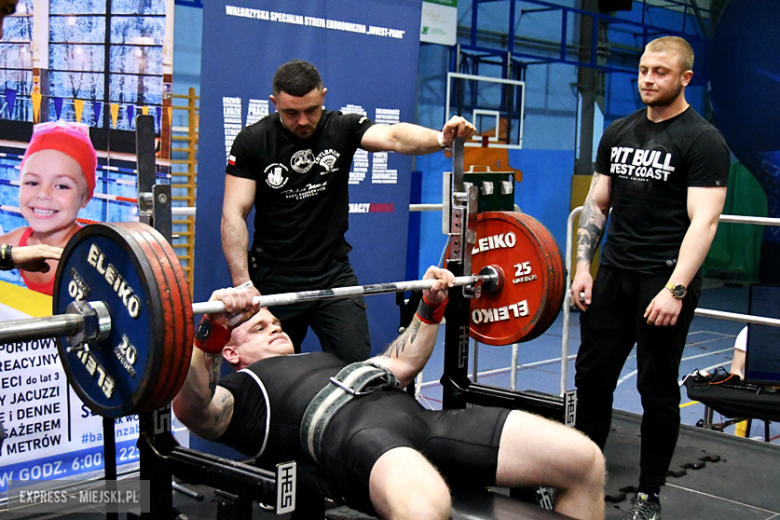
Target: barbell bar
(92, 319)
(489, 279)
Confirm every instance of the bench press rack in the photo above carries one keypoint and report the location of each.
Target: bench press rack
(458, 390)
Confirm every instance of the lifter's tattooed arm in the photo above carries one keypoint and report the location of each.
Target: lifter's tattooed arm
(407, 337)
(204, 407)
(408, 354)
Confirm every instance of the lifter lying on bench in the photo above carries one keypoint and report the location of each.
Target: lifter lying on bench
(383, 452)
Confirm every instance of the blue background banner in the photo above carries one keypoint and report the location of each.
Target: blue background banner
(368, 62)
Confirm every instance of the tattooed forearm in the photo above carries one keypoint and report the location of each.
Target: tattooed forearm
(592, 222)
(213, 364)
(407, 338)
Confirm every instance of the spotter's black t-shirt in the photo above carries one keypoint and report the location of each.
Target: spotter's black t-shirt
(302, 190)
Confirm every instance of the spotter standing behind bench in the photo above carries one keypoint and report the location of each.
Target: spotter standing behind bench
(380, 449)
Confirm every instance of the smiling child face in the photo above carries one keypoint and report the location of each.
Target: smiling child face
(52, 191)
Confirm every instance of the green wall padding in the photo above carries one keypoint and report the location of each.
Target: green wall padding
(737, 247)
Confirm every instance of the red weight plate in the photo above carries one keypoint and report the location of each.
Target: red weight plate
(557, 274)
(557, 293)
(554, 255)
(514, 311)
(172, 354)
(177, 355)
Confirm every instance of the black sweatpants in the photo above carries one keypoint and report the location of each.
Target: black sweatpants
(610, 327)
(341, 325)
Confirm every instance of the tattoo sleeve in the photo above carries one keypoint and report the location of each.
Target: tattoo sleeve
(225, 412)
(406, 338)
(592, 222)
(213, 364)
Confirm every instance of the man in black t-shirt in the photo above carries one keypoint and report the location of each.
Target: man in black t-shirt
(662, 171)
(293, 167)
(380, 451)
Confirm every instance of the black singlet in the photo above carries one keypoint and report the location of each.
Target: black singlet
(462, 444)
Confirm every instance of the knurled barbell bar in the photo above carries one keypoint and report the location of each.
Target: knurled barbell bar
(85, 323)
(123, 316)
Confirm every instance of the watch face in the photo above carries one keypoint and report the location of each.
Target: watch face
(679, 291)
(204, 330)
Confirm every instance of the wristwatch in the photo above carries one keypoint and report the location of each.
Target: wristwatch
(678, 291)
(6, 260)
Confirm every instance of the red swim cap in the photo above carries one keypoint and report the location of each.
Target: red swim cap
(72, 139)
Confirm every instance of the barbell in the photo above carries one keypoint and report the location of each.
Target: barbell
(122, 313)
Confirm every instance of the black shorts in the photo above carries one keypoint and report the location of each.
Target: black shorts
(462, 444)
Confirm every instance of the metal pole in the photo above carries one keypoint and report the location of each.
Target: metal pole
(475, 370)
(40, 328)
(567, 300)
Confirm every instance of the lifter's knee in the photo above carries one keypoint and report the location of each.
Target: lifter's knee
(586, 462)
(434, 503)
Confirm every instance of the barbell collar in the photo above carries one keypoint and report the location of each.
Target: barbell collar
(96, 325)
(494, 277)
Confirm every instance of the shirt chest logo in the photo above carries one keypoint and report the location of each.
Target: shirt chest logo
(641, 165)
(302, 161)
(327, 159)
(276, 175)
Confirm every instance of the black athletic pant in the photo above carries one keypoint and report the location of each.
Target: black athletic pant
(609, 329)
(341, 325)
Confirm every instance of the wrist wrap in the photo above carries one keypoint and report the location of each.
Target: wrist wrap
(431, 313)
(211, 337)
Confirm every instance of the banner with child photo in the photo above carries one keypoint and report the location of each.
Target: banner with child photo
(67, 159)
